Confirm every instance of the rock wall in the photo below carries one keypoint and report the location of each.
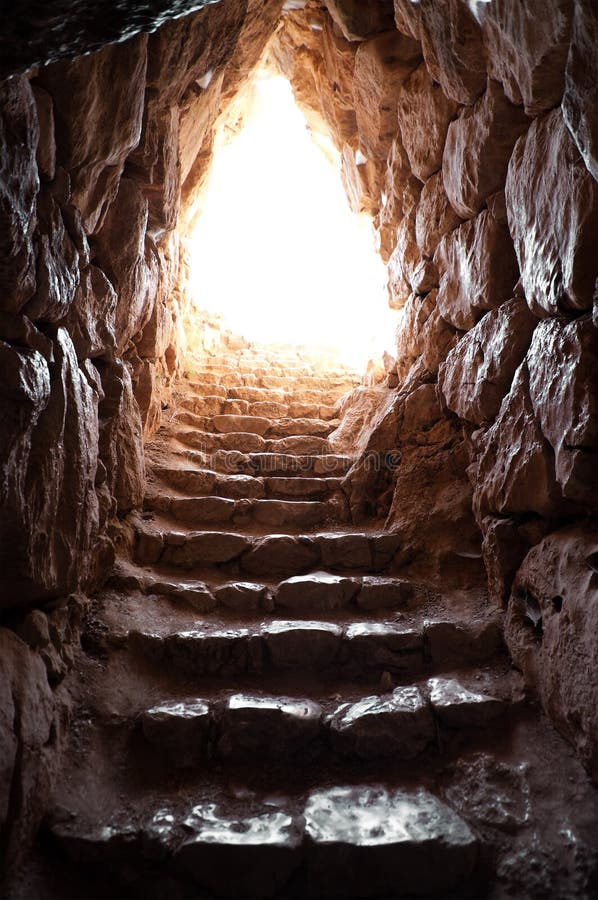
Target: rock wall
(470, 132)
(95, 156)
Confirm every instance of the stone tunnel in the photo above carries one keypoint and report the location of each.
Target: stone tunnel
(270, 625)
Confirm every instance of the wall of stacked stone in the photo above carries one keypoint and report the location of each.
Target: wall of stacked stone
(470, 132)
(98, 156)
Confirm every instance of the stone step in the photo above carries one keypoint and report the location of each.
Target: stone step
(194, 511)
(252, 726)
(203, 482)
(291, 396)
(247, 442)
(280, 465)
(318, 591)
(276, 556)
(338, 649)
(260, 425)
(289, 383)
(271, 409)
(346, 841)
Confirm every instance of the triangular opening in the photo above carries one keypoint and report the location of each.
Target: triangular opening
(277, 249)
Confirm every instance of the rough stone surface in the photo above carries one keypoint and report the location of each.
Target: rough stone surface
(399, 725)
(526, 48)
(580, 101)
(19, 184)
(420, 843)
(555, 250)
(98, 109)
(434, 217)
(563, 365)
(424, 116)
(451, 42)
(551, 619)
(514, 472)
(478, 147)
(478, 372)
(478, 270)
(381, 66)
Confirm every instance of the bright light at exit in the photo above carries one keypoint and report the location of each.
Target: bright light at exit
(277, 249)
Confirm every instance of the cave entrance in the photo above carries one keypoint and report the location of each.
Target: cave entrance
(276, 248)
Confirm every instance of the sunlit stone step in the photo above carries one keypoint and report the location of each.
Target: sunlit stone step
(212, 649)
(318, 591)
(252, 726)
(274, 555)
(356, 841)
(203, 482)
(280, 465)
(371, 842)
(276, 513)
(260, 425)
(248, 442)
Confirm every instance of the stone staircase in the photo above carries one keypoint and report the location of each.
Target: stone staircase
(266, 707)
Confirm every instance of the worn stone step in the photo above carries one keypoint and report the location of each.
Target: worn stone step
(279, 465)
(356, 841)
(293, 464)
(202, 482)
(248, 442)
(318, 591)
(260, 425)
(251, 726)
(205, 482)
(371, 842)
(195, 511)
(353, 651)
(277, 556)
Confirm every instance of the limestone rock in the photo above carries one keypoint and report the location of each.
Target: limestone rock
(478, 147)
(186, 49)
(155, 165)
(302, 644)
(98, 108)
(178, 730)
(19, 184)
(50, 504)
(552, 617)
(268, 727)
(57, 264)
(478, 270)
(121, 446)
(424, 116)
(317, 591)
(359, 19)
(279, 556)
(552, 206)
(133, 267)
(580, 101)
(451, 43)
(435, 216)
(240, 855)
(361, 177)
(478, 372)
(515, 469)
(399, 725)
(46, 148)
(381, 66)
(424, 338)
(458, 707)
(421, 845)
(26, 765)
(563, 368)
(526, 48)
